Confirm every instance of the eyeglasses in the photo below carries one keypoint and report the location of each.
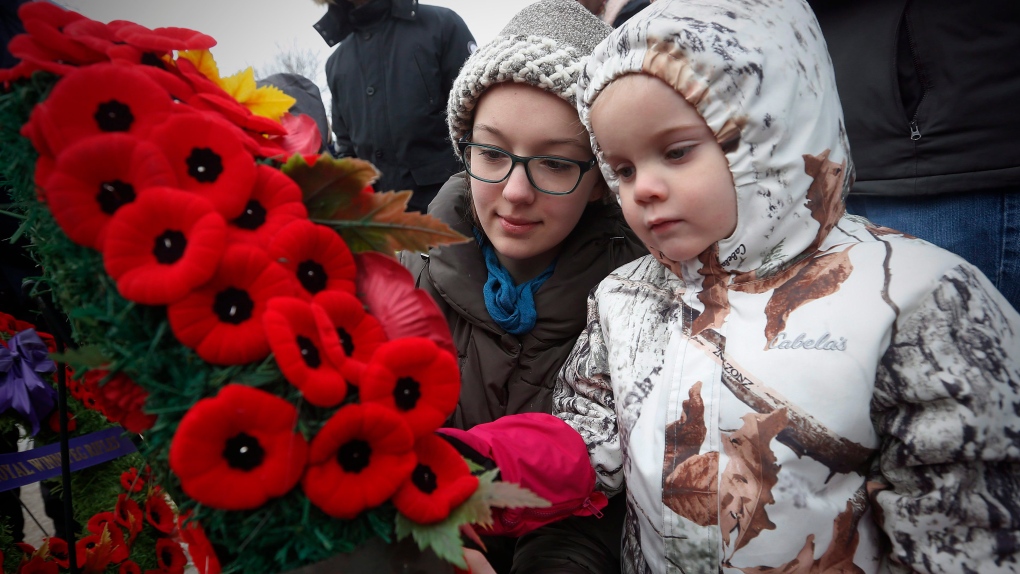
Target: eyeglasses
(547, 173)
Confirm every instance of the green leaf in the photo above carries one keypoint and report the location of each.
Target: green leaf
(329, 184)
(443, 538)
(87, 357)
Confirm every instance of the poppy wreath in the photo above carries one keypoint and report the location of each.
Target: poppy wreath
(234, 298)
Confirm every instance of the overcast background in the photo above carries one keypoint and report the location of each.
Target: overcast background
(252, 32)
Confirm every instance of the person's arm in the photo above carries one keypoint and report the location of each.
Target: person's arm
(342, 144)
(947, 405)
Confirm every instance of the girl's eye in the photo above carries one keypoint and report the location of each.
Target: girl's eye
(677, 152)
(624, 172)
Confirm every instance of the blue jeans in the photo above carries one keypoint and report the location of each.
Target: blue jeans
(983, 228)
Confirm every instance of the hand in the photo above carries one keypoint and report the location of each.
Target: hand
(477, 564)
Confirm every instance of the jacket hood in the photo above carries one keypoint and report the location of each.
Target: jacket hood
(337, 23)
(759, 74)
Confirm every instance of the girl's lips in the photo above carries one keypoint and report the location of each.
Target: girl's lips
(516, 226)
(661, 226)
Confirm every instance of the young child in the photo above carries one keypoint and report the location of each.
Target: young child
(780, 387)
(544, 232)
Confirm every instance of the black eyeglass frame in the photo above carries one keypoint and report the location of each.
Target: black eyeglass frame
(585, 166)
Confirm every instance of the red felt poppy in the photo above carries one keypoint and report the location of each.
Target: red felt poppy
(97, 36)
(97, 99)
(209, 158)
(96, 176)
(170, 556)
(129, 515)
(107, 522)
(306, 349)
(203, 555)
(238, 449)
(44, 166)
(358, 460)
(440, 482)
(58, 551)
(316, 255)
(93, 554)
(36, 55)
(121, 400)
(129, 567)
(54, 422)
(163, 245)
(158, 512)
(222, 320)
(387, 290)
(416, 378)
(179, 90)
(225, 105)
(131, 481)
(46, 25)
(275, 201)
(164, 39)
(360, 334)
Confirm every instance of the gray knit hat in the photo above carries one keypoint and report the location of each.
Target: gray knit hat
(544, 45)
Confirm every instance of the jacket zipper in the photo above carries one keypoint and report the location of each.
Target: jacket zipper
(421, 74)
(915, 132)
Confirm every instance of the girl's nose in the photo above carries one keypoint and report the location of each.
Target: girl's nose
(517, 188)
(649, 187)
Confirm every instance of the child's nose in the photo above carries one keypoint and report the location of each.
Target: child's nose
(649, 187)
(517, 188)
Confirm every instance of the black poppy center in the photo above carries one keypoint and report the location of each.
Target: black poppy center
(204, 165)
(113, 116)
(167, 556)
(308, 352)
(233, 305)
(424, 478)
(150, 59)
(253, 216)
(113, 195)
(312, 276)
(354, 455)
(346, 340)
(169, 247)
(90, 545)
(243, 451)
(406, 393)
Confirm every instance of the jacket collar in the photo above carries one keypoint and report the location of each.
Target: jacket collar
(336, 24)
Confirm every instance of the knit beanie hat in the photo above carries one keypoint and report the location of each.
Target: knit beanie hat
(544, 45)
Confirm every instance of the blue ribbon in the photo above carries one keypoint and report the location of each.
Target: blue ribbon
(21, 468)
(21, 387)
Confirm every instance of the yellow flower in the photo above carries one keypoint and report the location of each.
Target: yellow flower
(267, 101)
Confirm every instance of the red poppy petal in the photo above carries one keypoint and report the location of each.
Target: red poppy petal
(414, 377)
(360, 334)
(97, 99)
(169, 555)
(222, 320)
(164, 39)
(275, 202)
(209, 158)
(317, 256)
(94, 177)
(159, 514)
(388, 290)
(164, 244)
(440, 482)
(255, 454)
(237, 113)
(356, 460)
(306, 349)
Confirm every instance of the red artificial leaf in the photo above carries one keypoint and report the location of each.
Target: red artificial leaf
(388, 290)
(302, 136)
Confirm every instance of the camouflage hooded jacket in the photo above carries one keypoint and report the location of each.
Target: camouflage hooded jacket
(812, 393)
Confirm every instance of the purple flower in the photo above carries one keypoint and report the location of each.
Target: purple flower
(21, 387)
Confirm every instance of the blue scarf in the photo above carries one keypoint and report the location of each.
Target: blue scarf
(511, 306)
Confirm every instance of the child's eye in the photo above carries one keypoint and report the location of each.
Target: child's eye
(624, 172)
(678, 152)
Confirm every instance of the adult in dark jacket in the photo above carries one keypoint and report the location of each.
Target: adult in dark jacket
(389, 79)
(545, 234)
(928, 89)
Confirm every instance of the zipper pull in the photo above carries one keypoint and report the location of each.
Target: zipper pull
(591, 508)
(915, 134)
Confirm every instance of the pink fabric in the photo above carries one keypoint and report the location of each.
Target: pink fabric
(543, 454)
